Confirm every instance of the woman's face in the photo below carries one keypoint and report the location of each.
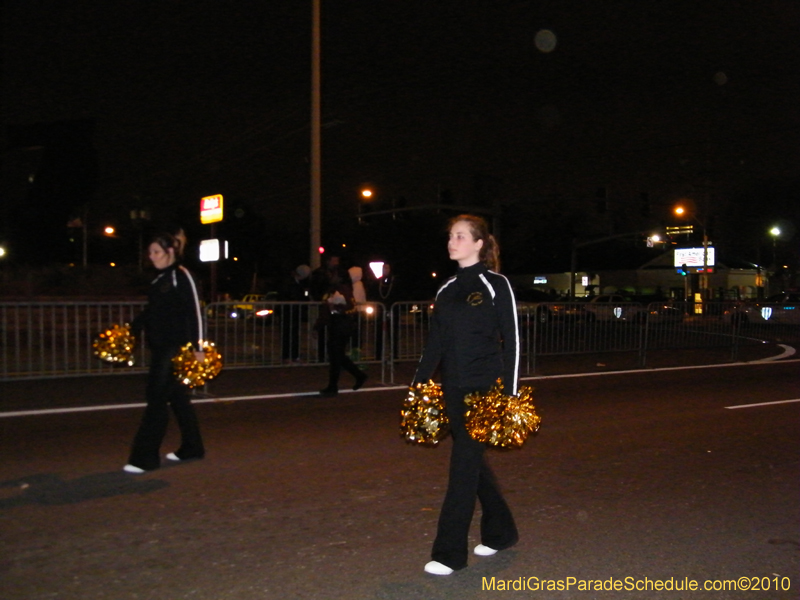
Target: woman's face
(160, 258)
(463, 248)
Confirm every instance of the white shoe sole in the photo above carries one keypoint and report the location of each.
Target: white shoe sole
(437, 568)
(133, 470)
(173, 457)
(482, 550)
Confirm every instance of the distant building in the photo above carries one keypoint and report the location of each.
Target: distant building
(729, 279)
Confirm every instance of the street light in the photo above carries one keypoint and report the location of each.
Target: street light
(682, 212)
(775, 232)
(366, 197)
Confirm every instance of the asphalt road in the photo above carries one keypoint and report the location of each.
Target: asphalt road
(634, 478)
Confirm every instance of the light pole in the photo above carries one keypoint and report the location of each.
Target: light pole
(363, 203)
(682, 212)
(316, 151)
(775, 232)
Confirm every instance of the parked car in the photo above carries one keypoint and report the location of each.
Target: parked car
(572, 310)
(613, 308)
(660, 313)
(534, 304)
(251, 306)
(779, 308)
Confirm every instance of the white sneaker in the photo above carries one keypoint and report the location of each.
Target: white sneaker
(437, 568)
(174, 457)
(482, 550)
(133, 469)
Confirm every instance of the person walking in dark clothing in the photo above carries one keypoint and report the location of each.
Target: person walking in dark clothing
(171, 319)
(319, 284)
(474, 338)
(295, 290)
(337, 317)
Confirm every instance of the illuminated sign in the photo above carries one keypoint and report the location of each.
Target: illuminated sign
(213, 250)
(377, 268)
(693, 257)
(687, 229)
(211, 209)
(539, 280)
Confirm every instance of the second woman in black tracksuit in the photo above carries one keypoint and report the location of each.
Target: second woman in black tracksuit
(474, 338)
(171, 319)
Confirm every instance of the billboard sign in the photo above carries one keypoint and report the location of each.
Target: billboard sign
(693, 257)
(211, 209)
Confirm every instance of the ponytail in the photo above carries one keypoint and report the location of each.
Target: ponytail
(490, 253)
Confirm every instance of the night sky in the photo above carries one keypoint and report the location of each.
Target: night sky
(651, 101)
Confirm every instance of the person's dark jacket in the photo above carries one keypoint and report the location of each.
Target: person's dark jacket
(172, 317)
(473, 332)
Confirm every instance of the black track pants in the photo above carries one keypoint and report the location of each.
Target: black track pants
(470, 478)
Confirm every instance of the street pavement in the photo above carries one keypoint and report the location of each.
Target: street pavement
(635, 477)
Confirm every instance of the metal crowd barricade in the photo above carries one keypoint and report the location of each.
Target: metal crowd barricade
(685, 325)
(41, 340)
(569, 328)
(54, 339)
(713, 325)
(274, 334)
(407, 327)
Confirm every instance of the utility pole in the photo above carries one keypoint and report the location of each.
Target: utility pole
(316, 152)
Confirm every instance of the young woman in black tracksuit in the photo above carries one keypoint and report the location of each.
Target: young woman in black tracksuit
(474, 337)
(171, 319)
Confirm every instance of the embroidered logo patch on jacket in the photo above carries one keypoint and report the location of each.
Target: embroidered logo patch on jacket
(475, 298)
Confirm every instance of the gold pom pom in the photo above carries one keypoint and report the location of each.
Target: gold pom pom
(192, 372)
(423, 419)
(499, 420)
(115, 345)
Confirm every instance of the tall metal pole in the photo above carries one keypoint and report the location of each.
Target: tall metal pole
(573, 266)
(704, 278)
(316, 153)
(85, 236)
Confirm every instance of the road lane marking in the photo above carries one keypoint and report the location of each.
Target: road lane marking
(787, 352)
(61, 411)
(763, 404)
(79, 409)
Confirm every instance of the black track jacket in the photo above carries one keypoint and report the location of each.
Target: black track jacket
(172, 317)
(473, 332)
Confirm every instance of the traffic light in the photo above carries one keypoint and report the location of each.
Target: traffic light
(684, 270)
